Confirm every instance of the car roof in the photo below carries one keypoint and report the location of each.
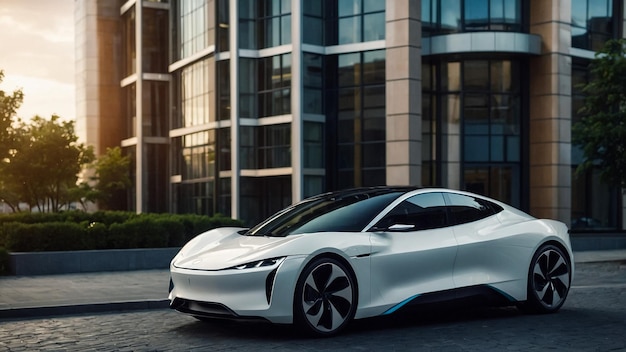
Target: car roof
(364, 192)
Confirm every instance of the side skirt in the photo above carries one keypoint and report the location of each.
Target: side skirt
(480, 295)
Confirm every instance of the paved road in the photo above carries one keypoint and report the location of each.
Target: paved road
(593, 319)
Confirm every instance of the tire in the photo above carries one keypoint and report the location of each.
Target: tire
(549, 280)
(325, 297)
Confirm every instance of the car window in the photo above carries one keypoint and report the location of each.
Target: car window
(422, 211)
(464, 209)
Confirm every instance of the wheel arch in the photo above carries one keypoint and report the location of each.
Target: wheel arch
(339, 258)
(561, 246)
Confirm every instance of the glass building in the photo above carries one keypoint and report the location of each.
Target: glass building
(242, 107)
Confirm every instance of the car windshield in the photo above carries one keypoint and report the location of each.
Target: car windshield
(349, 212)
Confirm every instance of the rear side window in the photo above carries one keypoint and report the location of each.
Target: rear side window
(464, 209)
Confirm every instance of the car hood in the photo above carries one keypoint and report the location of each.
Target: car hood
(224, 248)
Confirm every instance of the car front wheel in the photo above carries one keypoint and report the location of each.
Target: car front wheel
(326, 297)
(549, 279)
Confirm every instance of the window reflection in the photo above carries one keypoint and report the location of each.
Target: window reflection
(454, 16)
(594, 204)
(196, 94)
(358, 114)
(264, 23)
(473, 141)
(592, 23)
(313, 153)
(195, 28)
(265, 147)
(351, 21)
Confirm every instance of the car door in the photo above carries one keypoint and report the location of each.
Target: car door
(486, 252)
(413, 249)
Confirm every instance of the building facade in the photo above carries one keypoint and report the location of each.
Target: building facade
(243, 107)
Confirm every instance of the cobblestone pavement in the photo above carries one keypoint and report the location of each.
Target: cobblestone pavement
(592, 319)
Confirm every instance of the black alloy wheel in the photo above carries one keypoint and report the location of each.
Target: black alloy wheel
(326, 297)
(549, 280)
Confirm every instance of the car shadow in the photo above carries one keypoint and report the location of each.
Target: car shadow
(432, 317)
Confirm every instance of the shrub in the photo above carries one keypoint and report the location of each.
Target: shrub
(31, 232)
(55, 236)
(96, 236)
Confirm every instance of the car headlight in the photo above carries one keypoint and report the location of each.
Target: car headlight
(259, 264)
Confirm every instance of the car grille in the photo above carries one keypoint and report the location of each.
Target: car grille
(202, 308)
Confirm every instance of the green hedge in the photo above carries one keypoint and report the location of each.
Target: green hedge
(102, 230)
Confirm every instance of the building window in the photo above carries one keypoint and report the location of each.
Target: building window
(223, 145)
(274, 85)
(194, 198)
(263, 196)
(313, 153)
(265, 86)
(265, 147)
(155, 40)
(156, 192)
(155, 108)
(313, 22)
(223, 89)
(264, 23)
(223, 25)
(195, 89)
(593, 23)
(129, 97)
(130, 47)
(195, 27)
(455, 16)
(312, 82)
(475, 106)
(356, 113)
(595, 206)
(354, 21)
(194, 156)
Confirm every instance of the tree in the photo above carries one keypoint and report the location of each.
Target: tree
(112, 177)
(9, 103)
(601, 133)
(42, 171)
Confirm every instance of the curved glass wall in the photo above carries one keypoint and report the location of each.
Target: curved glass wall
(455, 16)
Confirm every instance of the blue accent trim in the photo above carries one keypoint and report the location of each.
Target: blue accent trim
(502, 293)
(400, 305)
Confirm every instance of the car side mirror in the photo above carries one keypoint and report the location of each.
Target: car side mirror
(401, 227)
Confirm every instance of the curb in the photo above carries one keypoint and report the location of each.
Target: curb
(38, 312)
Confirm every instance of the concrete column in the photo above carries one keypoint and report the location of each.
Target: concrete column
(551, 111)
(297, 147)
(141, 178)
(234, 107)
(403, 92)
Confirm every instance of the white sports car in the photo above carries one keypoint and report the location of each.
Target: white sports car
(373, 251)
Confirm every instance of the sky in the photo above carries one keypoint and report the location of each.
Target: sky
(37, 55)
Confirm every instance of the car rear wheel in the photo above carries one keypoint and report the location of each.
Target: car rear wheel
(549, 279)
(326, 297)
